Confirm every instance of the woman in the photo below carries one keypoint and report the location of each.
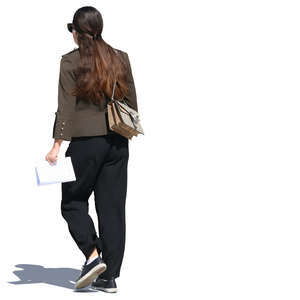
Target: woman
(99, 155)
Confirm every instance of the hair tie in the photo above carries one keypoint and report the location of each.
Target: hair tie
(95, 36)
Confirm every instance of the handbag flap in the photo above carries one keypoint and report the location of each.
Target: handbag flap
(130, 117)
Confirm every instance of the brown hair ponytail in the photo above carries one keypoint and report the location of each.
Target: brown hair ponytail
(100, 64)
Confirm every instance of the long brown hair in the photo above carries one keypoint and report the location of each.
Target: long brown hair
(99, 64)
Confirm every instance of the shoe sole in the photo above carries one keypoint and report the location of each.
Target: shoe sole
(88, 278)
(107, 290)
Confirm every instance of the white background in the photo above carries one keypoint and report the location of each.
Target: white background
(213, 185)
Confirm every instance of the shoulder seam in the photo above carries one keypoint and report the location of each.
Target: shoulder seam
(75, 49)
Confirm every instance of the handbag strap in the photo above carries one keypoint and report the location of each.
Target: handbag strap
(113, 93)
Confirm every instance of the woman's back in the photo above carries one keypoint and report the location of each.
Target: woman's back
(75, 116)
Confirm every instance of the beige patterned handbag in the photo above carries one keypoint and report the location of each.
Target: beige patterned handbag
(122, 118)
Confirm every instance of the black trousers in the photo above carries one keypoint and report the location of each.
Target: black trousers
(100, 165)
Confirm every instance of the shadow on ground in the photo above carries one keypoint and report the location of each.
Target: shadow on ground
(62, 277)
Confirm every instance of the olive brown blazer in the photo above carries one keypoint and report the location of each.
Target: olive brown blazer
(76, 117)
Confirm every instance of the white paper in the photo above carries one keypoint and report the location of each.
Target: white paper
(61, 171)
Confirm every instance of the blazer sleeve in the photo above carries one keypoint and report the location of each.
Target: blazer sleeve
(62, 127)
(131, 94)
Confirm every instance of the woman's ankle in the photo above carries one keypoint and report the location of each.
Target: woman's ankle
(94, 253)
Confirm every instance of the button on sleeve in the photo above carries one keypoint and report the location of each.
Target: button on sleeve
(62, 127)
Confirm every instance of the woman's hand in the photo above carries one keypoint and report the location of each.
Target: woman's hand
(52, 155)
